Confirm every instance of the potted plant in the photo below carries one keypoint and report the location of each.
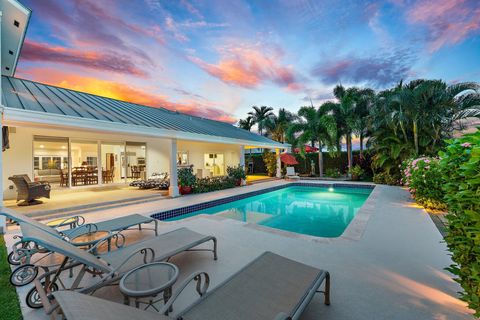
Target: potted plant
(356, 171)
(237, 173)
(186, 179)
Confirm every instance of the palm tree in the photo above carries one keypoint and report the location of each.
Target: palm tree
(246, 123)
(364, 101)
(315, 125)
(277, 125)
(261, 116)
(344, 113)
(415, 118)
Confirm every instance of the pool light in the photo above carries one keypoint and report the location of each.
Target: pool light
(330, 189)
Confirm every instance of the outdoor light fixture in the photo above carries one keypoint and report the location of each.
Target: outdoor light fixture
(330, 189)
(42, 146)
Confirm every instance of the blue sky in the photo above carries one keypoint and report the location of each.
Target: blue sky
(218, 58)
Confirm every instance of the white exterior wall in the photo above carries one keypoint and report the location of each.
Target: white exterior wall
(19, 158)
(196, 151)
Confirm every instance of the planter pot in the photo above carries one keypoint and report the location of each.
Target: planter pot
(185, 190)
(238, 183)
(355, 177)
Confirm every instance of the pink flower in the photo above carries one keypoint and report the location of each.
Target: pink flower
(427, 167)
(427, 161)
(466, 145)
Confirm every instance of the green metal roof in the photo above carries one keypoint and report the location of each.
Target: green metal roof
(33, 96)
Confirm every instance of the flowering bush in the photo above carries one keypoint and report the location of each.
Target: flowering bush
(460, 163)
(423, 178)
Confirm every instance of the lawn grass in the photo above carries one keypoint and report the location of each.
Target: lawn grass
(9, 304)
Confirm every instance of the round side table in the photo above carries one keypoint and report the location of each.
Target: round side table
(147, 281)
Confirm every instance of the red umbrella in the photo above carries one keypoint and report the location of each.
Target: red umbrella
(288, 159)
(308, 149)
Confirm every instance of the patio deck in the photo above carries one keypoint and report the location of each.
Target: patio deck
(66, 201)
(394, 271)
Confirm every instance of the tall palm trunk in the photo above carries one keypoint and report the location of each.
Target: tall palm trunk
(361, 145)
(415, 136)
(349, 150)
(320, 158)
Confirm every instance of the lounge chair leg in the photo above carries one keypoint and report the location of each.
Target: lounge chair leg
(327, 289)
(215, 249)
(156, 227)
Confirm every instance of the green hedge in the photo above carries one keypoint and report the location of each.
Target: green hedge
(304, 164)
(460, 164)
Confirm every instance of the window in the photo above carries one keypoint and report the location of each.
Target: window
(50, 157)
(92, 161)
(36, 163)
(182, 158)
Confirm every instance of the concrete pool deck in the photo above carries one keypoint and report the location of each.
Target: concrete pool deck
(394, 270)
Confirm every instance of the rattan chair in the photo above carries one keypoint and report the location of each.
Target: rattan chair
(29, 191)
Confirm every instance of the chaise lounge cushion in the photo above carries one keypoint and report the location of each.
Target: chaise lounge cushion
(268, 286)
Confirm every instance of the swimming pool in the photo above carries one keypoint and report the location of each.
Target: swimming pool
(317, 211)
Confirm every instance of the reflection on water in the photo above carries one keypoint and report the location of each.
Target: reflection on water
(306, 210)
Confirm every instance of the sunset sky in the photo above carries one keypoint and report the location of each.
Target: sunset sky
(217, 58)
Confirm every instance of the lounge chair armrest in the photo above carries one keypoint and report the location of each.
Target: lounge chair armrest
(79, 221)
(141, 251)
(282, 316)
(113, 236)
(82, 229)
(201, 289)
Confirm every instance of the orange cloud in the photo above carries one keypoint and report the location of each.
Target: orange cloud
(119, 91)
(37, 51)
(249, 67)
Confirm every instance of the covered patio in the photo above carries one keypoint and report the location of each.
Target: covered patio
(76, 141)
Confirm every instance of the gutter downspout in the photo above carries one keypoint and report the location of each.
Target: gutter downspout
(3, 225)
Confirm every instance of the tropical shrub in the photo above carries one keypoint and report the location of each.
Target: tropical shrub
(356, 172)
(460, 167)
(385, 178)
(186, 178)
(213, 183)
(333, 173)
(270, 160)
(238, 173)
(423, 178)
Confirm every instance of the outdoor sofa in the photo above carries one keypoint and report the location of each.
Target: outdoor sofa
(270, 287)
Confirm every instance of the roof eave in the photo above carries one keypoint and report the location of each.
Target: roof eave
(18, 117)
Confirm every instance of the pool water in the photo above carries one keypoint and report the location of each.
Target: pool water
(315, 211)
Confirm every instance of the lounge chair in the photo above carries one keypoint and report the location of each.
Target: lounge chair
(22, 250)
(111, 265)
(30, 191)
(291, 173)
(270, 287)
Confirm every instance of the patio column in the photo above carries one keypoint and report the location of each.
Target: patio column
(242, 162)
(3, 222)
(173, 189)
(279, 163)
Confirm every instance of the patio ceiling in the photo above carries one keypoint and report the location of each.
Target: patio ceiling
(40, 104)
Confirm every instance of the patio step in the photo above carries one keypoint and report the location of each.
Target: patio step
(79, 210)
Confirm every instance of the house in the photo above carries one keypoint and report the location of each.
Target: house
(53, 132)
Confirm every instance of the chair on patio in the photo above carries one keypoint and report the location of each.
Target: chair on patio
(291, 173)
(23, 251)
(270, 287)
(29, 191)
(110, 266)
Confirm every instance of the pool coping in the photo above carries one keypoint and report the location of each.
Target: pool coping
(353, 232)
